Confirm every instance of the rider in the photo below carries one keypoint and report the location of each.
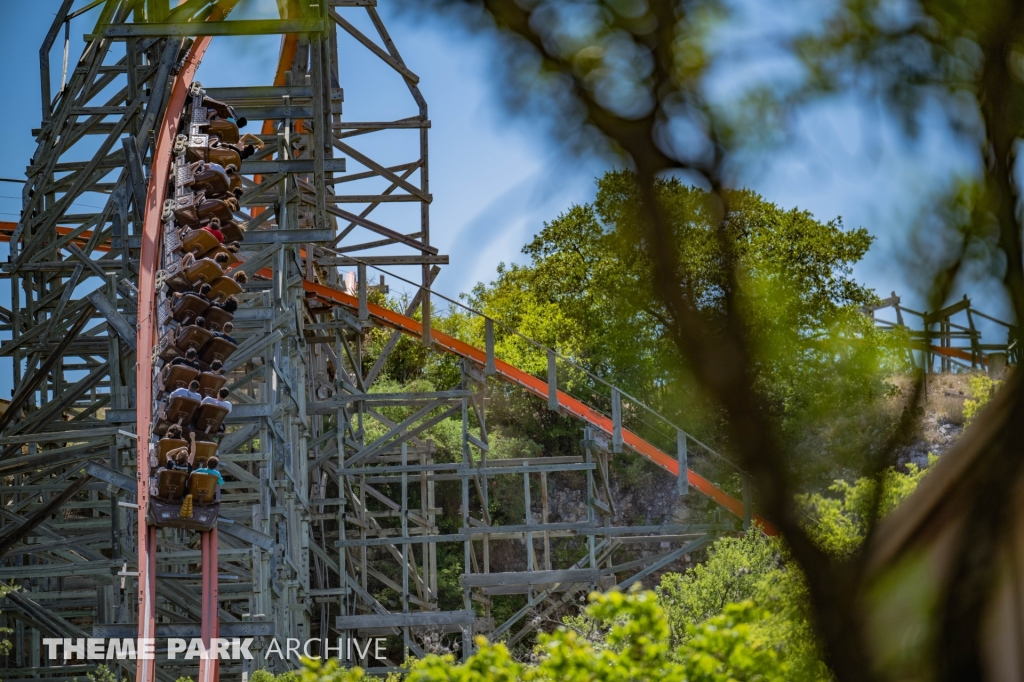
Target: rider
(177, 459)
(210, 467)
(190, 359)
(222, 402)
(226, 333)
(212, 229)
(191, 392)
(230, 305)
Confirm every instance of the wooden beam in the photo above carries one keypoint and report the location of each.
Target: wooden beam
(41, 513)
(419, 619)
(238, 27)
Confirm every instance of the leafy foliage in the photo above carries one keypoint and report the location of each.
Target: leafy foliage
(637, 647)
(726, 648)
(267, 676)
(840, 523)
(588, 292)
(588, 288)
(752, 569)
(731, 574)
(983, 387)
(105, 674)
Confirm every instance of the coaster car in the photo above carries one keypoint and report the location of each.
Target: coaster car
(222, 288)
(185, 501)
(178, 376)
(199, 243)
(221, 209)
(189, 307)
(233, 232)
(165, 445)
(226, 130)
(203, 271)
(192, 336)
(217, 349)
(200, 272)
(184, 207)
(212, 178)
(210, 384)
(205, 449)
(171, 484)
(168, 515)
(217, 317)
(179, 410)
(209, 418)
(202, 488)
(222, 156)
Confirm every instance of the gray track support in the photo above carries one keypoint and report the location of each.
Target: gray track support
(188, 630)
(616, 421)
(406, 620)
(248, 27)
(552, 382)
(682, 457)
(124, 328)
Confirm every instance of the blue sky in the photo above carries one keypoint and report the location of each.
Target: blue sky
(496, 177)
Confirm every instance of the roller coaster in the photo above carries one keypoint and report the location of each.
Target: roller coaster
(219, 307)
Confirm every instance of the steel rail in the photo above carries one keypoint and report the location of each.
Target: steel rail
(149, 264)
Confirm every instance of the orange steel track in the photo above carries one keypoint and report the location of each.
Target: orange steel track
(149, 264)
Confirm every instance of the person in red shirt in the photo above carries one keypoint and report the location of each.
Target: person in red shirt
(212, 229)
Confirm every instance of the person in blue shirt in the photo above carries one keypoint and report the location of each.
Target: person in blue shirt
(191, 392)
(210, 467)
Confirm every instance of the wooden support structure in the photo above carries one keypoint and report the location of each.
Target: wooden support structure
(936, 335)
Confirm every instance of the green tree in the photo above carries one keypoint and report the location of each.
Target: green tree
(983, 387)
(726, 648)
(587, 290)
(105, 674)
(289, 676)
(839, 522)
(638, 647)
(732, 572)
(750, 569)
